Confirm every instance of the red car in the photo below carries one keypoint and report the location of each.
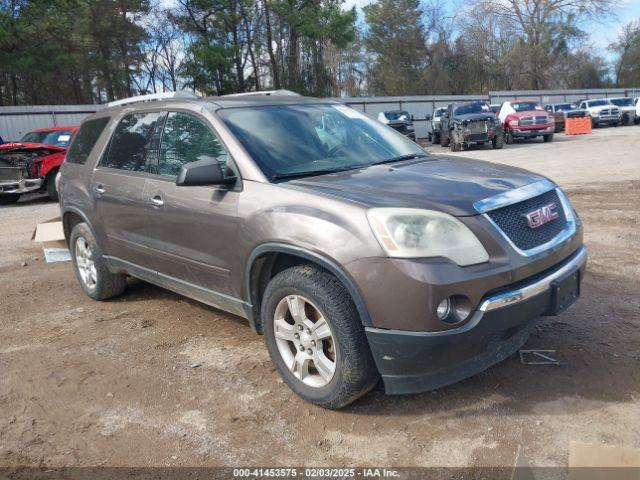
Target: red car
(526, 119)
(31, 164)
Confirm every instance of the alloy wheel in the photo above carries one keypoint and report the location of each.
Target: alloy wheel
(85, 263)
(305, 341)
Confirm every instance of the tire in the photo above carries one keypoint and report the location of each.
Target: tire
(9, 198)
(497, 142)
(98, 283)
(51, 185)
(444, 141)
(435, 138)
(508, 137)
(322, 296)
(548, 138)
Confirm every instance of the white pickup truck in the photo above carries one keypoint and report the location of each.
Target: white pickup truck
(627, 108)
(601, 111)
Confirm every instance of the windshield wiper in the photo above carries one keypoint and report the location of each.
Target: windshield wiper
(309, 173)
(400, 158)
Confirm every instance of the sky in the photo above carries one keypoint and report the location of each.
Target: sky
(602, 33)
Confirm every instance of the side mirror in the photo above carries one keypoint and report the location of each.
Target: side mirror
(203, 172)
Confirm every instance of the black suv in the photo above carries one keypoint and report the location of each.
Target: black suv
(464, 124)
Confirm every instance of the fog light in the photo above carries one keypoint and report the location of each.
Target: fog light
(444, 309)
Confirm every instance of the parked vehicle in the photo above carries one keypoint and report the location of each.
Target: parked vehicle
(359, 258)
(526, 119)
(434, 133)
(637, 104)
(495, 108)
(601, 111)
(31, 164)
(399, 120)
(464, 124)
(562, 111)
(627, 109)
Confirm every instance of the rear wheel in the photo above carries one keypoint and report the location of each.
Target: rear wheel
(548, 138)
(90, 267)
(315, 337)
(9, 198)
(435, 138)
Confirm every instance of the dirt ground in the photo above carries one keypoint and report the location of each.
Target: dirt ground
(114, 383)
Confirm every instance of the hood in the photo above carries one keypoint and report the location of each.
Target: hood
(447, 184)
(475, 116)
(529, 113)
(30, 146)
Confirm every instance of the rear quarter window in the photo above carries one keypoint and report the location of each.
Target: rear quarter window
(85, 140)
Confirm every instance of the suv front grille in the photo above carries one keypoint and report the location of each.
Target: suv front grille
(478, 126)
(513, 222)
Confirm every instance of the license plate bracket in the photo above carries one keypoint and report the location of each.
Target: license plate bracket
(564, 292)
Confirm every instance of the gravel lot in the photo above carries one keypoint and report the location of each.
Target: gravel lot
(112, 383)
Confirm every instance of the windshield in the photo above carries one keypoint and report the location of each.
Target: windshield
(59, 138)
(467, 108)
(525, 106)
(622, 102)
(294, 140)
(439, 112)
(598, 103)
(563, 107)
(397, 116)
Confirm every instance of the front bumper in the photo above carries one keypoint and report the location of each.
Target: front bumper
(412, 362)
(25, 185)
(531, 132)
(605, 119)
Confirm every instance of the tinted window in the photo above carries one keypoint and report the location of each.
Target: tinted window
(525, 106)
(468, 108)
(598, 103)
(85, 139)
(397, 115)
(563, 107)
(59, 138)
(129, 143)
(187, 139)
(622, 102)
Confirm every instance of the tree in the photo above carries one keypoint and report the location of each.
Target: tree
(395, 42)
(627, 50)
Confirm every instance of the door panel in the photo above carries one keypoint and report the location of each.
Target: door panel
(195, 227)
(193, 233)
(123, 214)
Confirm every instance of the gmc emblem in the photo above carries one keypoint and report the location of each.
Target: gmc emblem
(542, 215)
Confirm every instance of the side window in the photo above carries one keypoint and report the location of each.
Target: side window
(85, 139)
(188, 139)
(131, 141)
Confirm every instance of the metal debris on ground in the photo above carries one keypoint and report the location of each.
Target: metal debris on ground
(538, 357)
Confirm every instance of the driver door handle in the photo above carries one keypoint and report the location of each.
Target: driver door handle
(99, 189)
(157, 201)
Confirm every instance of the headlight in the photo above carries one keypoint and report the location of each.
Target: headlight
(413, 233)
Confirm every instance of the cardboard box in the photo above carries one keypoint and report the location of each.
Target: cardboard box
(54, 245)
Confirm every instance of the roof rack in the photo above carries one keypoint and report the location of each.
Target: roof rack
(153, 97)
(275, 93)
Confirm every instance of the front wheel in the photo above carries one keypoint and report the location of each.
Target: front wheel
(444, 141)
(498, 141)
(51, 186)
(436, 138)
(509, 137)
(315, 338)
(9, 198)
(548, 138)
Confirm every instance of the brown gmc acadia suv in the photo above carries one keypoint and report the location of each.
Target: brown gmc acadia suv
(356, 254)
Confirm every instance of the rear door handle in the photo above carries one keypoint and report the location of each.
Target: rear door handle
(157, 201)
(99, 189)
